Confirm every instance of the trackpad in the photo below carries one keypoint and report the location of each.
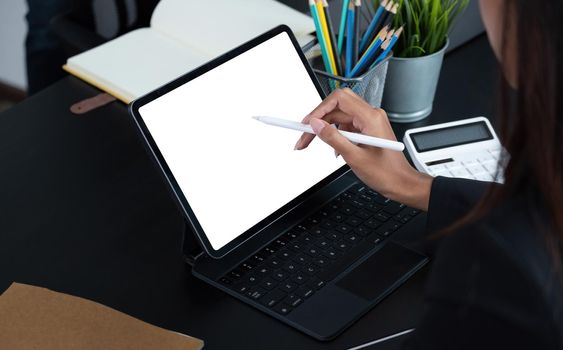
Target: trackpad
(383, 271)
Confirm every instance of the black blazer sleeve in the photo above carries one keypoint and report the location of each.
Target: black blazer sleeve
(477, 295)
(450, 199)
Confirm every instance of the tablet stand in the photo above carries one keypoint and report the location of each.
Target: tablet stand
(191, 248)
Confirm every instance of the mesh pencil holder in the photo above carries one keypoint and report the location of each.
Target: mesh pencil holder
(369, 85)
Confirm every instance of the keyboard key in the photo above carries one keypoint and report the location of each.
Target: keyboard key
(318, 231)
(310, 270)
(320, 262)
(282, 309)
(292, 235)
(285, 254)
(381, 216)
(272, 298)
(305, 291)
(306, 239)
(296, 247)
(413, 212)
(357, 188)
(373, 208)
(333, 235)
(275, 262)
(372, 223)
(280, 275)
(393, 207)
(257, 259)
(299, 278)
(343, 246)
(246, 266)
(268, 283)
(293, 300)
(235, 274)
(288, 286)
(290, 267)
(312, 222)
(331, 253)
(302, 259)
(328, 224)
(379, 199)
(251, 279)
(323, 243)
(352, 238)
(268, 251)
(386, 229)
(347, 210)
(312, 251)
(357, 204)
(241, 288)
(353, 221)
(316, 283)
(226, 281)
(262, 270)
(256, 293)
(343, 228)
(363, 231)
(281, 241)
(337, 217)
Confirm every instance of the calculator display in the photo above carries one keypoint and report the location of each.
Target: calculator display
(453, 136)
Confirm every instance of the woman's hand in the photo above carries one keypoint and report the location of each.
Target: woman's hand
(386, 171)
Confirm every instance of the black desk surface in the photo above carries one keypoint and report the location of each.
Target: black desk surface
(83, 211)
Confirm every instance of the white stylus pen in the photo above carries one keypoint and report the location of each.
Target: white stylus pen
(354, 137)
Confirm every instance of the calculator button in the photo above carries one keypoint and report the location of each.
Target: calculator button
(485, 159)
(470, 162)
(495, 153)
(441, 173)
(461, 172)
(476, 169)
(437, 167)
(484, 177)
(491, 167)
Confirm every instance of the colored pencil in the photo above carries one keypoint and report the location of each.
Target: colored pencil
(358, 10)
(319, 32)
(371, 53)
(342, 28)
(388, 46)
(366, 39)
(326, 36)
(391, 14)
(333, 43)
(349, 39)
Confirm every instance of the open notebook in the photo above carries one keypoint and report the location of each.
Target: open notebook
(183, 35)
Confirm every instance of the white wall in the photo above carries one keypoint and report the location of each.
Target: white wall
(13, 29)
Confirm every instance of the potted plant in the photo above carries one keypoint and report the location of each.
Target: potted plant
(415, 68)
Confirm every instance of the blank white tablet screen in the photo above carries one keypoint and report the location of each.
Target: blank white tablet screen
(233, 170)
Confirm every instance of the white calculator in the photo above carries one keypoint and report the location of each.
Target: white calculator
(466, 148)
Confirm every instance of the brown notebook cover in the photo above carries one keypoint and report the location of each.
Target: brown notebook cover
(37, 318)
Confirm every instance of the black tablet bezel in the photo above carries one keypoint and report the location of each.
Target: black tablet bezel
(157, 157)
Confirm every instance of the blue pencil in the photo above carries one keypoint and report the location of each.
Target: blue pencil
(369, 54)
(372, 26)
(387, 47)
(349, 39)
(342, 25)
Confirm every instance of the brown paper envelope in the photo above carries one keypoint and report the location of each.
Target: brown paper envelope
(37, 318)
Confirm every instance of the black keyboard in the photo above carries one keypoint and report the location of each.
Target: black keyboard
(303, 260)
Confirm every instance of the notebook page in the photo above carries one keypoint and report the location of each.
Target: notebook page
(135, 63)
(217, 26)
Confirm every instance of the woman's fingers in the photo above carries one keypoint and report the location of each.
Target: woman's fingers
(335, 116)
